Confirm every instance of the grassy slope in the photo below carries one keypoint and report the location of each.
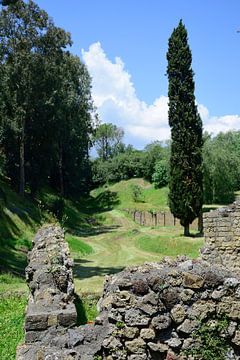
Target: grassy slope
(153, 199)
(102, 240)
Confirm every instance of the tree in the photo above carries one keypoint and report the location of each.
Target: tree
(221, 167)
(45, 103)
(160, 175)
(108, 141)
(185, 185)
(21, 28)
(8, 2)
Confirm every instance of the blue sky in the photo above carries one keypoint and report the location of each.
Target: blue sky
(124, 44)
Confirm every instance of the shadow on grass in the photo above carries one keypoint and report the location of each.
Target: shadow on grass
(85, 272)
(81, 313)
(93, 231)
(12, 261)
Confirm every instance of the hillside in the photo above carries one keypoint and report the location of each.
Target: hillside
(102, 238)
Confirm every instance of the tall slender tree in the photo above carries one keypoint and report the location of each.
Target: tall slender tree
(186, 194)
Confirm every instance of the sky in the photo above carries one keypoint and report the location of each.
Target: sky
(124, 43)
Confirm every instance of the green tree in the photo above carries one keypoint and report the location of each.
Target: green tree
(186, 195)
(21, 27)
(160, 176)
(45, 103)
(221, 167)
(8, 2)
(108, 141)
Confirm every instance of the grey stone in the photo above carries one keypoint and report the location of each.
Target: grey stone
(136, 346)
(161, 322)
(188, 326)
(135, 318)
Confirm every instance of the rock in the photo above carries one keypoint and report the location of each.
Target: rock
(188, 326)
(130, 332)
(231, 282)
(136, 318)
(174, 343)
(236, 339)
(74, 338)
(158, 347)
(111, 343)
(147, 334)
(218, 294)
(231, 328)
(161, 322)
(178, 313)
(136, 346)
(186, 295)
(192, 281)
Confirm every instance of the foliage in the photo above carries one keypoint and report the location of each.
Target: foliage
(221, 167)
(211, 344)
(45, 103)
(185, 196)
(154, 152)
(108, 141)
(129, 163)
(137, 194)
(124, 166)
(160, 176)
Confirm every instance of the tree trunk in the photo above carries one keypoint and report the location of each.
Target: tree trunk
(22, 160)
(60, 164)
(186, 230)
(200, 223)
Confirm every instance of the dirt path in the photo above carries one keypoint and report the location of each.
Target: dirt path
(113, 250)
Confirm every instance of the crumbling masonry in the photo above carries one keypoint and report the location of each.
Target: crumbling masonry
(154, 311)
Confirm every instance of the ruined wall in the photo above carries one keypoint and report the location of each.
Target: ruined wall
(155, 311)
(222, 236)
(50, 281)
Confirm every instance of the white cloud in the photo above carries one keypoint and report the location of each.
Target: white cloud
(116, 100)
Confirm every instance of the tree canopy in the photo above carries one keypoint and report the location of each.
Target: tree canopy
(45, 103)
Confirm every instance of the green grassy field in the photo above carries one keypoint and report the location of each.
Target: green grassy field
(102, 239)
(152, 199)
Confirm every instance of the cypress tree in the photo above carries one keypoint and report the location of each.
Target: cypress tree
(186, 194)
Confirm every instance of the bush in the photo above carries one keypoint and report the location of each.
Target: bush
(136, 193)
(160, 176)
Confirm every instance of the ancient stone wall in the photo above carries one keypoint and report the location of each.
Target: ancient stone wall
(174, 310)
(222, 236)
(50, 281)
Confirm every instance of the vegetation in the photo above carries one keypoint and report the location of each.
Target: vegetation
(221, 167)
(170, 244)
(45, 104)
(185, 185)
(212, 343)
(12, 309)
(108, 141)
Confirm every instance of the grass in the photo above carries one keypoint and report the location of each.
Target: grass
(170, 245)
(12, 309)
(77, 245)
(102, 239)
(153, 199)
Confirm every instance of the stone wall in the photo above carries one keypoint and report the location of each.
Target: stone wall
(222, 236)
(155, 311)
(50, 281)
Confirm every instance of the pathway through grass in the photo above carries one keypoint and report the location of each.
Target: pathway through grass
(124, 243)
